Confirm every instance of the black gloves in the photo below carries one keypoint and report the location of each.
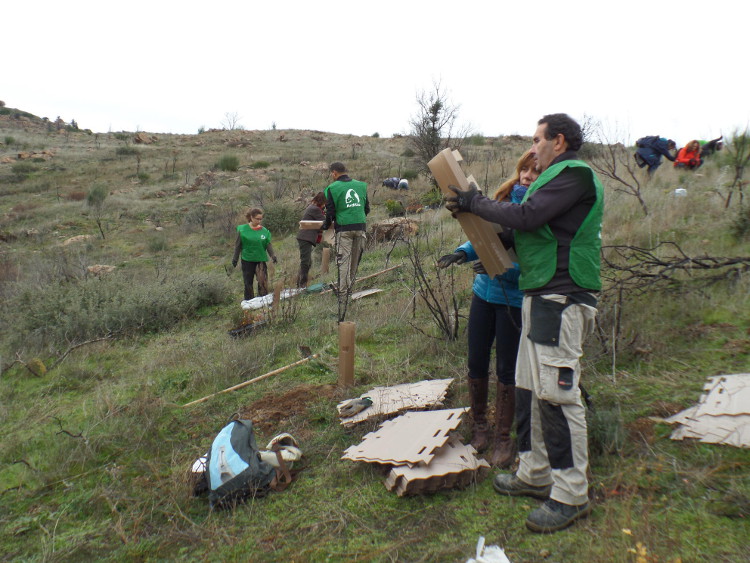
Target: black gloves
(458, 257)
(462, 200)
(275, 260)
(234, 263)
(478, 268)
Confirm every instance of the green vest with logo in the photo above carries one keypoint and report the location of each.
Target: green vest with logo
(349, 199)
(254, 243)
(537, 250)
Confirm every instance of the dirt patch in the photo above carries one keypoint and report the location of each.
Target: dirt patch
(642, 429)
(270, 411)
(666, 409)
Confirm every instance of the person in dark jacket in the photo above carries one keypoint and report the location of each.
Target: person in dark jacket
(307, 239)
(709, 148)
(558, 242)
(651, 149)
(495, 318)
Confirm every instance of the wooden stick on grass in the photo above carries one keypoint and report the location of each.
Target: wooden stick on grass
(253, 380)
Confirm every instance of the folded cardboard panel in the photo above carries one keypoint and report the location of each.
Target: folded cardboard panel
(446, 170)
(411, 438)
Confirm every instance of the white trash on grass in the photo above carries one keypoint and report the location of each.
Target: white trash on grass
(488, 554)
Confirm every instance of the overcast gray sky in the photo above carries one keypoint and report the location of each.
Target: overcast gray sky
(678, 69)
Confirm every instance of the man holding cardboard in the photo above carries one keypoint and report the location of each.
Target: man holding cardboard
(558, 242)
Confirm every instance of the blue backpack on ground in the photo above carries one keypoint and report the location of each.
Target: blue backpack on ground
(234, 470)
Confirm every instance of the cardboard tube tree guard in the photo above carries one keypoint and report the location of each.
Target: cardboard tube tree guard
(347, 331)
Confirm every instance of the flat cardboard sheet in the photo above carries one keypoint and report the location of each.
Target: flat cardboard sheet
(398, 398)
(364, 293)
(722, 415)
(446, 170)
(412, 438)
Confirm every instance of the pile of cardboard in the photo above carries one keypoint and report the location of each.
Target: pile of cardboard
(423, 452)
(722, 415)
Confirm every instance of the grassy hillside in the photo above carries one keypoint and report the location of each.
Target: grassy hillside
(95, 368)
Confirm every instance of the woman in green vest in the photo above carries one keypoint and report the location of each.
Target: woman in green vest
(254, 246)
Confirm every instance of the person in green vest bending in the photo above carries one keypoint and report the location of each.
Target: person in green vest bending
(558, 242)
(254, 245)
(347, 207)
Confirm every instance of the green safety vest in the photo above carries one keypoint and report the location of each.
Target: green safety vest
(537, 250)
(254, 243)
(349, 199)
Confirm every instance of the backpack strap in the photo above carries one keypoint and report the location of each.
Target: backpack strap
(283, 477)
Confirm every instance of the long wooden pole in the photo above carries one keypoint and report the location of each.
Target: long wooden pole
(371, 275)
(246, 383)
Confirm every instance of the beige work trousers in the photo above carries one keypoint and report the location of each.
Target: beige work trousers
(349, 248)
(557, 414)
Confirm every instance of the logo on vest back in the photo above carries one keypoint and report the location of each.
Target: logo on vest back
(352, 198)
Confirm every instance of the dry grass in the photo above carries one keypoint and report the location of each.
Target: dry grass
(96, 450)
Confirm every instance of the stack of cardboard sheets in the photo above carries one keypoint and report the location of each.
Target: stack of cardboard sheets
(424, 453)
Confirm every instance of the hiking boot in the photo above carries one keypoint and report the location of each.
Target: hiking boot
(509, 484)
(553, 516)
(504, 452)
(480, 427)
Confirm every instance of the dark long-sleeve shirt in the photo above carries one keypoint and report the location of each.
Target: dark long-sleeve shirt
(562, 203)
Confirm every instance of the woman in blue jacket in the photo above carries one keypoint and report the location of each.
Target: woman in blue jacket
(495, 317)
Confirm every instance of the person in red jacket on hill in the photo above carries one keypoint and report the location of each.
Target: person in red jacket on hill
(689, 156)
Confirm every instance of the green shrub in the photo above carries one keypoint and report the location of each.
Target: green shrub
(394, 207)
(476, 140)
(408, 153)
(96, 196)
(740, 226)
(126, 151)
(4, 111)
(432, 199)
(158, 243)
(22, 169)
(10, 140)
(376, 135)
(228, 163)
(410, 174)
(92, 308)
(258, 164)
(281, 218)
(122, 137)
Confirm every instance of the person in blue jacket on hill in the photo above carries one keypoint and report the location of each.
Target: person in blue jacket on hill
(651, 149)
(495, 317)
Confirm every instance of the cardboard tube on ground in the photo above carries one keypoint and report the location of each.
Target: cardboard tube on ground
(347, 331)
(325, 259)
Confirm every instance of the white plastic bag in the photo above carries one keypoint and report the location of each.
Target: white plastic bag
(488, 554)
